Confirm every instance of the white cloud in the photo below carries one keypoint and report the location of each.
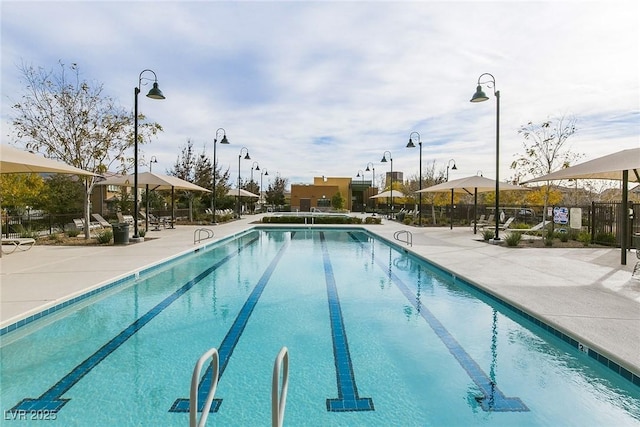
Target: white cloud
(360, 76)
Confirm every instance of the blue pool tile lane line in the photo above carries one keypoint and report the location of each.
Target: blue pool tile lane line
(231, 339)
(52, 399)
(348, 398)
(492, 398)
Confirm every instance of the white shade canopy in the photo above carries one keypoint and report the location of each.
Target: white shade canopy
(470, 184)
(155, 181)
(13, 160)
(396, 193)
(607, 167)
(241, 192)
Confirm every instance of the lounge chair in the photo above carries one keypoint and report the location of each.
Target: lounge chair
(504, 226)
(79, 224)
(153, 220)
(22, 243)
(103, 222)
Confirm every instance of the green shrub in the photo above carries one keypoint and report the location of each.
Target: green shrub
(564, 237)
(73, 232)
(407, 221)
(513, 239)
(104, 236)
(520, 225)
(488, 235)
(142, 232)
(605, 238)
(584, 237)
(372, 220)
(56, 237)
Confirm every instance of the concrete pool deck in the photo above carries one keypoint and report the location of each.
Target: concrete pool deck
(583, 292)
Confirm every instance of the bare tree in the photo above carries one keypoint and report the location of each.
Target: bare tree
(72, 120)
(545, 150)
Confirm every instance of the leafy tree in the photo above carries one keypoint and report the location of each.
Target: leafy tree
(63, 194)
(545, 150)
(20, 190)
(337, 201)
(72, 120)
(189, 167)
(275, 192)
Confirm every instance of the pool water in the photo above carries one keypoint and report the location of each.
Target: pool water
(376, 337)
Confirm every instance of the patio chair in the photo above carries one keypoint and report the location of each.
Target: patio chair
(79, 224)
(504, 226)
(22, 243)
(153, 220)
(103, 222)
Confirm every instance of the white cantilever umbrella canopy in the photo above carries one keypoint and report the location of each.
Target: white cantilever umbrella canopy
(607, 167)
(387, 193)
(242, 192)
(155, 181)
(621, 166)
(470, 184)
(13, 160)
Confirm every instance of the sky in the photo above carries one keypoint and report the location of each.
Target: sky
(326, 88)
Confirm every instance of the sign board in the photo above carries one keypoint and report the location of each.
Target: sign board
(575, 218)
(561, 215)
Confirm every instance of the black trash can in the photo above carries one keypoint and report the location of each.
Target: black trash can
(120, 234)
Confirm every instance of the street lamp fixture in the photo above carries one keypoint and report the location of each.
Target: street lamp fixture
(262, 173)
(254, 166)
(373, 179)
(225, 141)
(246, 157)
(410, 144)
(480, 96)
(146, 212)
(384, 160)
(361, 176)
(153, 160)
(453, 168)
(154, 93)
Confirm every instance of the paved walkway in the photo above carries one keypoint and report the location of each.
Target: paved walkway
(583, 292)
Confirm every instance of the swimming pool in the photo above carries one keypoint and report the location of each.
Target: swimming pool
(375, 337)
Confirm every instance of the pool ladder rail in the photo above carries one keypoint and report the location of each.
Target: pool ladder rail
(404, 236)
(201, 234)
(279, 387)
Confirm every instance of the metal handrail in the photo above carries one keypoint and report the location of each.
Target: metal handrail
(279, 396)
(197, 235)
(409, 237)
(193, 396)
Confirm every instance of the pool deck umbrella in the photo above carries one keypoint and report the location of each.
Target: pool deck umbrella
(471, 185)
(241, 192)
(156, 181)
(615, 166)
(14, 160)
(387, 193)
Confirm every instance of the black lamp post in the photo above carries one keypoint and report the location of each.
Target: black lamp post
(361, 176)
(410, 144)
(373, 179)
(257, 167)
(453, 168)
(480, 96)
(384, 160)
(262, 173)
(213, 195)
(154, 93)
(146, 212)
(239, 158)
